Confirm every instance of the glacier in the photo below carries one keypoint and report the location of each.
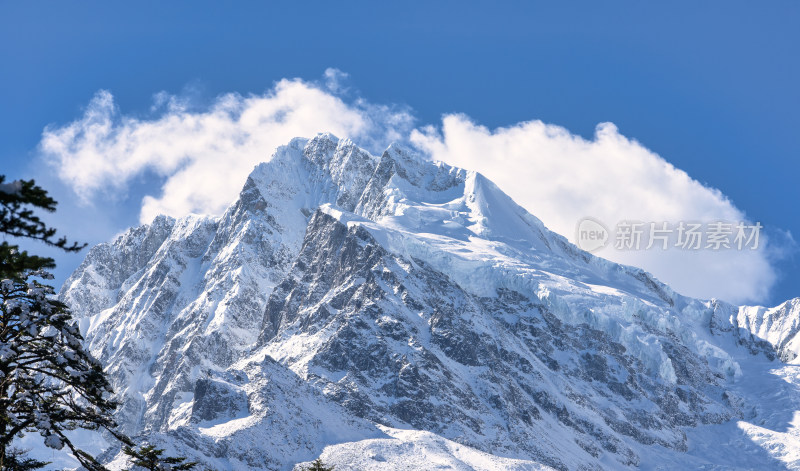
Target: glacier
(396, 313)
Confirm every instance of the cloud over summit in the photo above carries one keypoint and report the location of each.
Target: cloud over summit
(203, 157)
(562, 178)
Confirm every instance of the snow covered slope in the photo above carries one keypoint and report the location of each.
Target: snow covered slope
(396, 313)
(780, 326)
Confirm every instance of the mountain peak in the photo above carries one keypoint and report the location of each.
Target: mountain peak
(405, 297)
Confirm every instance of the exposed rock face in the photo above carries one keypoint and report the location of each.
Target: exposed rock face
(343, 297)
(217, 400)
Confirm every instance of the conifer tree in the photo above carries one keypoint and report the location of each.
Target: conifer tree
(48, 383)
(318, 465)
(150, 458)
(17, 461)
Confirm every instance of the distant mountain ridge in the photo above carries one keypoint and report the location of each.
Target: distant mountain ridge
(392, 312)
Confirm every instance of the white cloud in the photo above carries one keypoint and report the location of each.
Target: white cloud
(204, 156)
(334, 80)
(562, 178)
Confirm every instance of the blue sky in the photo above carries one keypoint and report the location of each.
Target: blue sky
(710, 87)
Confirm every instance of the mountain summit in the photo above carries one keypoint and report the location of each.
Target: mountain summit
(395, 313)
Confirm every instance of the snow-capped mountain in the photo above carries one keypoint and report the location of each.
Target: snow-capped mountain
(395, 313)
